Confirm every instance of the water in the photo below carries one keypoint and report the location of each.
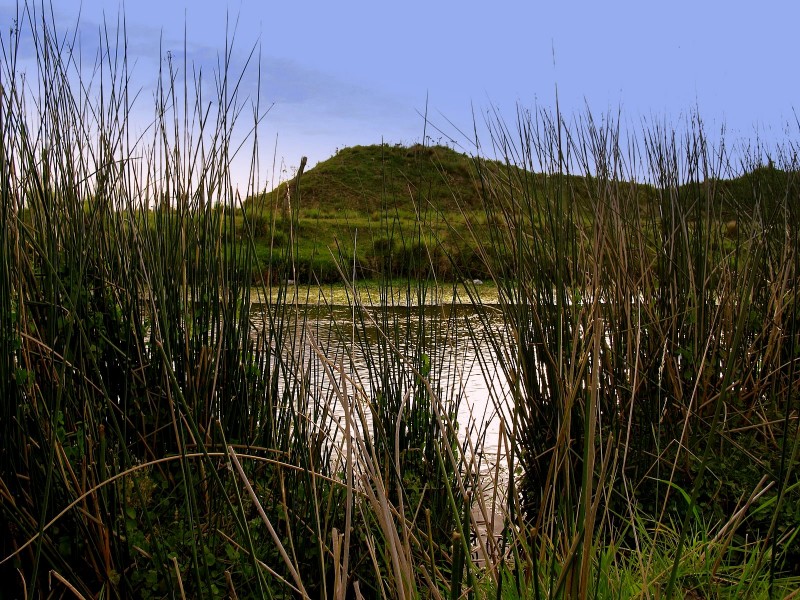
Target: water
(342, 350)
(338, 341)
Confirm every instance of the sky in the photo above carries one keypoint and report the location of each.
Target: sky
(335, 74)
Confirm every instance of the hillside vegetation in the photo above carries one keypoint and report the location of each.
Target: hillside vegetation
(366, 178)
(402, 210)
(397, 210)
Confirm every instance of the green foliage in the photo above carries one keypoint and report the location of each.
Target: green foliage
(648, 335)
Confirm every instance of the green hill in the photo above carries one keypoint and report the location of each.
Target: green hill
(399, 210)
(368, 178)
(365, 178)
(394, 207)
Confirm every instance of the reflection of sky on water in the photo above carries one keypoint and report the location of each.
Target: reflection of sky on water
(463, 371)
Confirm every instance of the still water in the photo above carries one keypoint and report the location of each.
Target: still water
(344, 350)
(343, 356)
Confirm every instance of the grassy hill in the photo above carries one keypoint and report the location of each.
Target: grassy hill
(364, 178)
(404, 210)
(397, 209)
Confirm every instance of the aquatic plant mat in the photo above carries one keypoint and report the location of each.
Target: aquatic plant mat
(172, 426)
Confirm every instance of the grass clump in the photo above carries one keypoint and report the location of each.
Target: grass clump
(649, 352)
(168, 427)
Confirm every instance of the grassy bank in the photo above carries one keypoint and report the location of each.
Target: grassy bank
(176, 424)
(377, 292)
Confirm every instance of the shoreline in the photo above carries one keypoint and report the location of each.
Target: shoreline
(375, 293)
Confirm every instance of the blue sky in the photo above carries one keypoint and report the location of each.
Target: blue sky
(353, 72)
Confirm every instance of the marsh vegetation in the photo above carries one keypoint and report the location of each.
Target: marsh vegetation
(175, 423)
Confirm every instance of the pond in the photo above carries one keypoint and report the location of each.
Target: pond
(366, 344)
(349, 353)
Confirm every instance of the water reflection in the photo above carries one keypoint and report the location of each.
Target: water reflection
(358, 350)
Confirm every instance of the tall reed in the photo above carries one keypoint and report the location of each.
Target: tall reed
(649, 302)
(168, 428)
